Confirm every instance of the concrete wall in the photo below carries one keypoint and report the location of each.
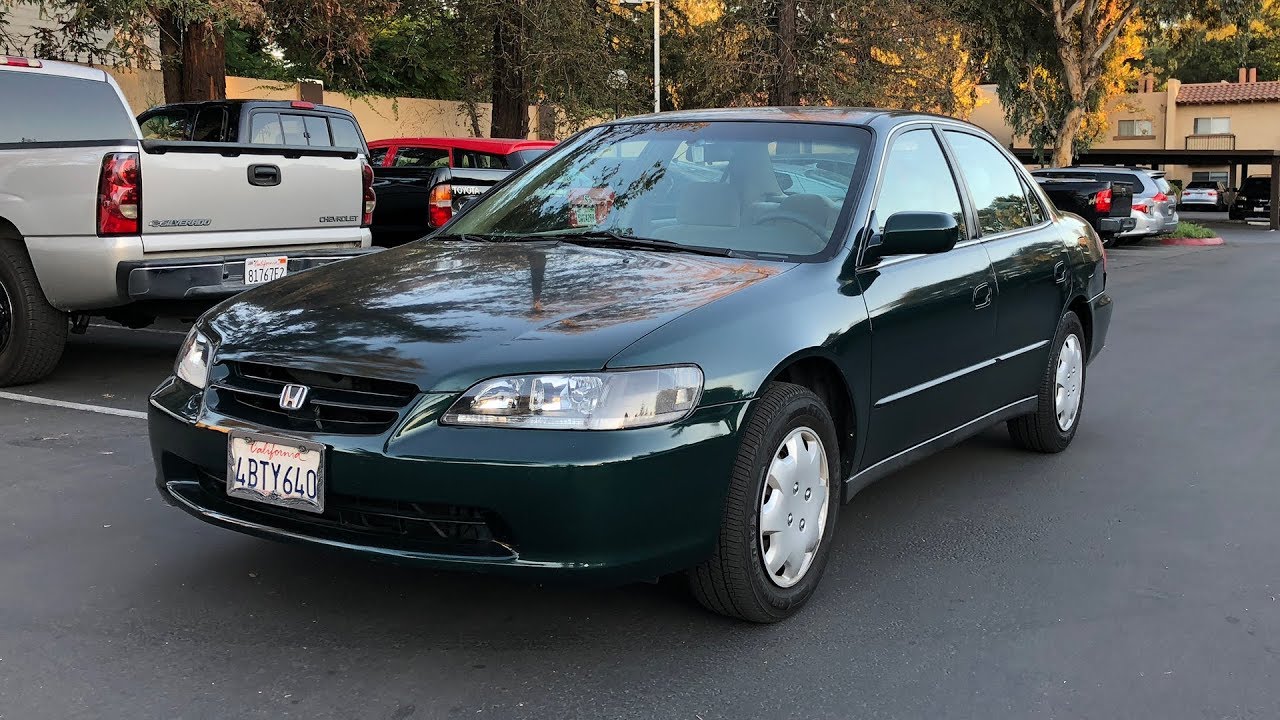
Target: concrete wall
(379, 117)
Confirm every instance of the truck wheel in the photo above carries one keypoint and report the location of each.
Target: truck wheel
(32, 332)
(780, 513)
(1061, 398)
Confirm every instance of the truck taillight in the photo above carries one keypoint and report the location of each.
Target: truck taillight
(1212, 193)
(440, 206)
(120, 195)
(1102, 201)
(370, 198)
(1160, 197)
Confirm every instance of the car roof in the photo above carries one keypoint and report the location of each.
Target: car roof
(284, 104)
(55, 67)
(497, 146)
(809, 113)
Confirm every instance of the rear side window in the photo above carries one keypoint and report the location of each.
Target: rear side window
(264, 129)
(167, 125)
(421, 157)
(54, 108)
(997, 192)
(211, 125)
(345, 133)
(483, 160)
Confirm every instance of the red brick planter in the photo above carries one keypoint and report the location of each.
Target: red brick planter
(1192, 241)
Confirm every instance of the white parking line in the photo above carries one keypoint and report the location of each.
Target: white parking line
(101, 409)
(142, 330)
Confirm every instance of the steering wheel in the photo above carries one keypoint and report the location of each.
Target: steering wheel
(804, 222)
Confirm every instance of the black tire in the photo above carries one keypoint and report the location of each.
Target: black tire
(1040, 431)
(32, 339)
(734, 580)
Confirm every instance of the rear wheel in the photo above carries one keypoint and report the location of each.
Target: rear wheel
(32, 332)
(1060, 400)
(780, 513)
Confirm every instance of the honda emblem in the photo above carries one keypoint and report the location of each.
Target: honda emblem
(292, 397)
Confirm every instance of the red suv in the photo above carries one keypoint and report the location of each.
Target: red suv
(479, 153)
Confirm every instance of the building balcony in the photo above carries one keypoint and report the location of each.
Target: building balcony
(1219, 141)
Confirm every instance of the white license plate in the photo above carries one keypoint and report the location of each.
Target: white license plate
(1259, 209)
(276, 470)
(265, 269)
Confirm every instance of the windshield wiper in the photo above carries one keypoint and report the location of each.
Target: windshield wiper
(609, 238)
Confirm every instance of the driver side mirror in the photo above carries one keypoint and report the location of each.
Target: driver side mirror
(913, 233)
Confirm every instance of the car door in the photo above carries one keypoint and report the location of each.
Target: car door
(933, 317)
(1029, 258)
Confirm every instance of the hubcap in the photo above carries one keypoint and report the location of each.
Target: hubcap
(793, 507)
(1068, 382)
(6, 317)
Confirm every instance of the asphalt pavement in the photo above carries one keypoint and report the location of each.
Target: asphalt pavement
(1136, 575)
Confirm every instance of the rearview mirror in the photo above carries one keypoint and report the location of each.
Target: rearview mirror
(912, 233)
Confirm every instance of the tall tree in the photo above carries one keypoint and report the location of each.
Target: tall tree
(1056, 62)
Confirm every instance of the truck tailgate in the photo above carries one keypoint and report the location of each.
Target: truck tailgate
(212, 194)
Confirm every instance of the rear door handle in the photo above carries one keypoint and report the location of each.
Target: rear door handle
(982, 296)
(264, 175)
(1060, 272)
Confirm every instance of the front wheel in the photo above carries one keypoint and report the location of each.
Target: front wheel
(1052, 426)
(780, 513)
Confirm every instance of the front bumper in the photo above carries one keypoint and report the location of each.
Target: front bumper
(210, 277)
(612, 506)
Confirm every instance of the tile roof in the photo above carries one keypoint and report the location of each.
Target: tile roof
(1225, 92)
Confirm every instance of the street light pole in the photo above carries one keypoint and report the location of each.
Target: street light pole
(657, 55)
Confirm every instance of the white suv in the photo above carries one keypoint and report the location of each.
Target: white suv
(94, 220)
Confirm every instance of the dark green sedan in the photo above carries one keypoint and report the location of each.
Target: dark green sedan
(657, 349)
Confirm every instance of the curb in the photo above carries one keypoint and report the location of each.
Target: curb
(1200, 242)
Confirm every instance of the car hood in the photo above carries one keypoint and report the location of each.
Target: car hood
(444, 315)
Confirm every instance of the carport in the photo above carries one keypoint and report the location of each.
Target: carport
(1238, 160)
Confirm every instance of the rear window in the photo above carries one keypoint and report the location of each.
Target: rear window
(1202, 184)
(271, 128)
(56, 108)
(1256, 186)
(1163, 185)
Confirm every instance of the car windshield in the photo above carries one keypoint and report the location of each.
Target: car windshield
(1256, 186)
(771, 188)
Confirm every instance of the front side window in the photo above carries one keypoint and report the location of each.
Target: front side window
(1135, 128)
(167, 125)
(1212, 126)
(917, 178)
(709, 184)
(421, 157)
(993, 184)
(377, 156)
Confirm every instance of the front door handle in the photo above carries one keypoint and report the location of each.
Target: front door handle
(264, 175)
(982, 296)
(1060, 272)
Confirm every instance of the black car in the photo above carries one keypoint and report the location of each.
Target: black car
(1253, 199)
(254, 122)
(606, 367)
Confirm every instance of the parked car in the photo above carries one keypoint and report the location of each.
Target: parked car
(1206, 194)
(1154, 211)
(94, 220)
(1253, 199)
(255, 122)
(1107, 207)
(422, 182)
(605, 368)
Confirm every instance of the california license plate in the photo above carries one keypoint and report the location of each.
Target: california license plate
(1259, 209)
(265, 269)
(276, 470)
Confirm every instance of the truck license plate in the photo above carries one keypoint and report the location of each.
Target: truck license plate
(265, 269)
(276, 470)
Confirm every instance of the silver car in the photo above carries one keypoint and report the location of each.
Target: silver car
(1155, 211)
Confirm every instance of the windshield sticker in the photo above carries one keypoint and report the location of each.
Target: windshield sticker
(588, 207)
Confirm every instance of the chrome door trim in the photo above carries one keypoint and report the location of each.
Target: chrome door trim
(958, 373)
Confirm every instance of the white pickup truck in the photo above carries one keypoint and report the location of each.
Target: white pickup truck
(97, 221)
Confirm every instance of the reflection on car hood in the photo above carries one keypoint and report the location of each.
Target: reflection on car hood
(444, 315)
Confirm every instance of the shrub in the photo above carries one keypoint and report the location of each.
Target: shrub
(1192, 230)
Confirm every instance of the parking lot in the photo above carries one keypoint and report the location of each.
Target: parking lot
(1134, 575)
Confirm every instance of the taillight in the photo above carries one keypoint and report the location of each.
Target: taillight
(1140, 207)
(370, 199)
(1160, 197)
(1211, 193)
(120, 195)
(1102, 201)
(440, 206)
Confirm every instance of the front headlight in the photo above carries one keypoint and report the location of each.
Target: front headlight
(581, 401)
(193, 359)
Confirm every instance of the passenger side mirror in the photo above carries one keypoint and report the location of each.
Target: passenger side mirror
(784, 180)
(912, 233)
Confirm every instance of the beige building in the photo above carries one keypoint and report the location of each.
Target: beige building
(1193, 131)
